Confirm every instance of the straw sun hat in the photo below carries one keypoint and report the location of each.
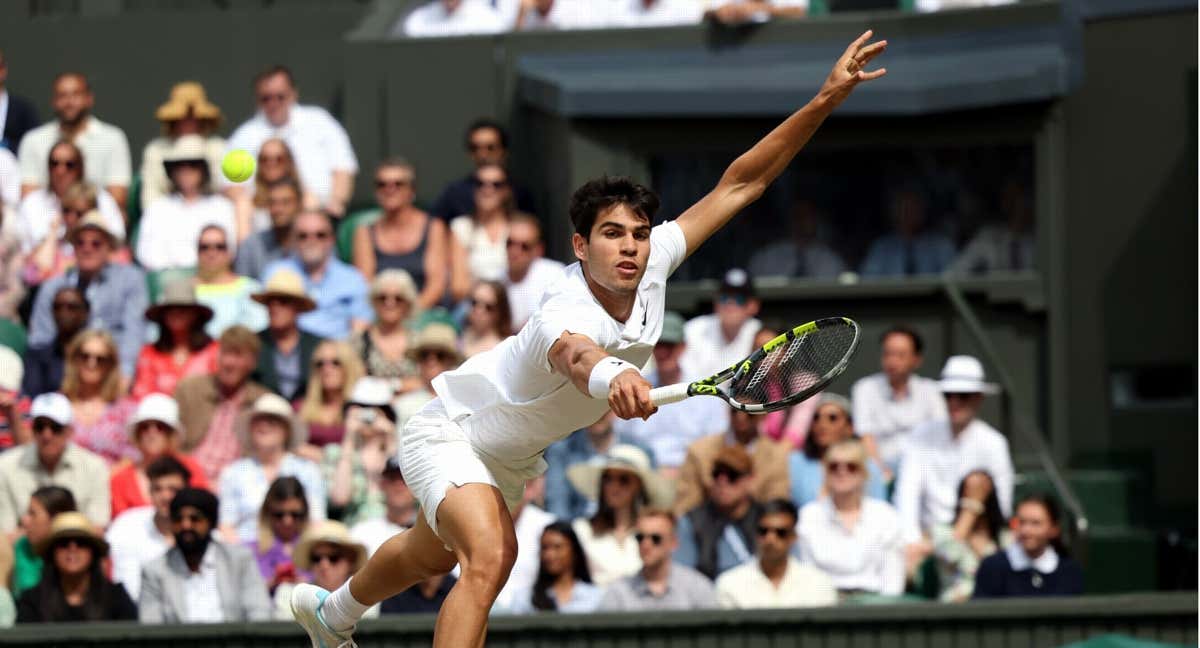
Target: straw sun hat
(585, 476)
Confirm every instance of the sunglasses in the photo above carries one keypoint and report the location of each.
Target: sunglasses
(146, 426)
(91, 243)
(46, 424)
(726, 472)
(384, 298)
(392, 184)
(740, 300)
(272, 159)
(491, 184)
(213, 247)
(83, 357)
(524, 246)
(333, 362)
(654, 538)
(783, 533)
(73, 307)
(487, 306)
(832, 417)
(71, 543)
(320, 236)
(68, 164)
(490, 146)
(331, 558)
(849, 467)
(623, 479)
(294, 515)
(440, 356)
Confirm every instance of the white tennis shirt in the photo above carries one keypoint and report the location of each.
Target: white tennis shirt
(511, 402)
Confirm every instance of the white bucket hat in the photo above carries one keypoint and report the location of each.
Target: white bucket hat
(156, 407)
(963, 374)
(585, 476)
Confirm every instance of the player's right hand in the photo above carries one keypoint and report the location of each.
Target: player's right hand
(629, 396)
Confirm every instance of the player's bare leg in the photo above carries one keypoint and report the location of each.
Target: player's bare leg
(403, 561)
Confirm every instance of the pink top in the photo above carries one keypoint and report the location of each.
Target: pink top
(157, 372)
(107, 436)
(791, 425)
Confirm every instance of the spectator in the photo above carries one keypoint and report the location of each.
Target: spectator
(14, 408)
(282, 517)
(1036, 564)
(889, 404)
(564, 582)
(269, 433)
(831, 425)
(400, 510)
(450, 18)
(155, 431)
(142, 533)
(775, 579)
(426, 597)
(332, 556)
(529, 272)
(478, 237)
(210, 405)
(187, 113)
(486, 143)
(1006, 248)
(769, 459)
(219, 288)
(677, 426)
(183, 347)
(804, 254)
(404, 238)
(853, 538)
(336, 369)
(910, 249)
(339, 290)
(740, 12)
(286, 350)
(53, 254)
(718, 534)
(324, 156)
(724, 338)
(655, 13)
(265, 247)
(621, 483)
(383, 347)
(941, 453)
(170, 226)
(489, 319)
(276, 165)
(103, 145)
(73, 585)
(41, 217)
(978, 531)
(117, 293)
(660, 584)
(20, 116)
(45, 363)
(198, 580)
(548, 15)
(99, 411)
(789, 425)
(591, 443)
(435, 350)
(45, 504)
(353, 466)
(529, 520)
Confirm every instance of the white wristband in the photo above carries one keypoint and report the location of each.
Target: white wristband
(603, 373)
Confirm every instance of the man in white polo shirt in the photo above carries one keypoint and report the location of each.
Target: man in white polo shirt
(716, 341)
(529, 271)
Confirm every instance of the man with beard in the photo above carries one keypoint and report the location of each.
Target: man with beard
(198, 580)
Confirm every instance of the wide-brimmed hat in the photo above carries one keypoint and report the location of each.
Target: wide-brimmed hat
(73, 524)
(369, 391)
(274, 406)
(94, 220)
(585, 476)
(333, 533)
(436, 337)
(288, 285)
(189, 148)
(963, 374)
(155, 407)
(186, 96)
(180, 293)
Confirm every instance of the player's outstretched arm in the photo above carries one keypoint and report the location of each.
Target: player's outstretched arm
(749, 175)
(600, 375)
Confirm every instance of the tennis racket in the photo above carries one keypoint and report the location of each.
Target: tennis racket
(785, 371)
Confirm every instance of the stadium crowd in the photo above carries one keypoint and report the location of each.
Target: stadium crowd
(203, 410)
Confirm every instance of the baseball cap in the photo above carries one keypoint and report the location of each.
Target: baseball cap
(51, 405)
(672, 329)
(737, 281)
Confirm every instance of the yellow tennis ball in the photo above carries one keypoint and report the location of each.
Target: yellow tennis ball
(238, 165)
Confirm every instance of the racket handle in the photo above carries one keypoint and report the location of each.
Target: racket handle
(669, 394)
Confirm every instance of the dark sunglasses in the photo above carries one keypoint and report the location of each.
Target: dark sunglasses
(740, 300)
(91, 243)
(493, 184)
(392, 184)
(209, 247)
(384, 298)
(321, 364)
(840, 466)
(69, 164)
(73, 543)
(272, 159)
(295, 515)
(624, 479)
(783, 533)
(490, 146)
(487, 306)
(46, 424)
(832, 417)
(73, 307)
(525, 246)
(331, 558)
(654, 538)
(726, 472)
(320, 236)
(440, 356)
(83, 357)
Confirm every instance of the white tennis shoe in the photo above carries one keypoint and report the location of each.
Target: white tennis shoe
(306, 608)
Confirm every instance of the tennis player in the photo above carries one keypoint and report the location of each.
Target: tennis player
(467, 454)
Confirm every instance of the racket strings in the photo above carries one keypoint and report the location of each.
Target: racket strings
(795, 366)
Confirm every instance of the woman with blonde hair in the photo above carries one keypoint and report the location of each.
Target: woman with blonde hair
(92, 382)
(334, 370)
(383, 347)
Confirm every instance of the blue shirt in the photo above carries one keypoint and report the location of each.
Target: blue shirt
(807, 476)
(341, 296)
(928, 253)
(585, 598)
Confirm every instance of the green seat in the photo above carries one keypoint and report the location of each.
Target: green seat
(345, 230)
(12, 335)
(926, 582)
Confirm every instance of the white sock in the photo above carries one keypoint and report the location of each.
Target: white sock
(341, 610)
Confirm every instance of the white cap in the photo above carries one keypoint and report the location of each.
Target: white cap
(53, 406)
(963, 374)
(11, 369)
(156, 407)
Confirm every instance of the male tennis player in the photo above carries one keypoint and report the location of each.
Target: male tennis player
(467, 454)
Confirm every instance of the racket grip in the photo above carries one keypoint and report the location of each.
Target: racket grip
(669, 394)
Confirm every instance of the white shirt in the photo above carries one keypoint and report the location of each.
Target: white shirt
(707, 351)
(471, 17)
(878, 413)
(609, 559)
(528, 527)
(105, 153)
(869, 557)
(565, 14)
(925, 6)
(761, 16)
(663, 13)
(526, 294)
(318, 142)
(933, 465)
(40, 207)
(374, 532)
(10, 177)
(133, 541)
(170, 229)
(509, 400)
(1046, 563)
(747, 587)
(202, 601)
(487, 259)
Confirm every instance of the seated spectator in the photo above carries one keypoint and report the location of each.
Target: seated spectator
(478, 238)
(286, 351)
(52, 459)
(92, 384)
(1036, 564)
(831, 425)
(54, 254)
(717, 341)
(1006, 248)
(889, 404)
(978, 531)
(73, 585)
(941, 453)
(339, 290)
(41, 217)
(660, 584)
(768, 458)
(486, 143)
(489, 319)
(400, 510)
(564, 582)
(327, 551)
(269, 433)
(21, 117)
(383, 347)
(282, 517)
(740, 12)
(335, 370)
(187, 112)
(117, 293)
(142, 533)
(450, 18)
(210, 405)
(551, 15)
(435, 350)
(529, 272)
(352, 466)
(183, 347)
(426, 597)
(718, 534)
(621, 483)
(675, 427)
(104, 146)
(591, 443)
(655, 13)
(275, 166)
(529, 520)
(264, 247)
(14, 408)
(774, 578)
(219, 288)
(45, 504)
(154, 428)
(199, 580)
(804, 254)
(910, 249)
(324, 156)
(46, 363)
(404, 238)
(853, 538)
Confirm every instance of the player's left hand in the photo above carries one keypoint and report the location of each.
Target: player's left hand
(629, 396)
(851, 69)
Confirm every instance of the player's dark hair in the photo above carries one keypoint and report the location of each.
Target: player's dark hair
(167, 465)
(1050, 505)
(55, 499)
(604, 193)
(779, 506)
(992, 515)
(480, 124)
(900, 329)
(540, 599)
(271, 71)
